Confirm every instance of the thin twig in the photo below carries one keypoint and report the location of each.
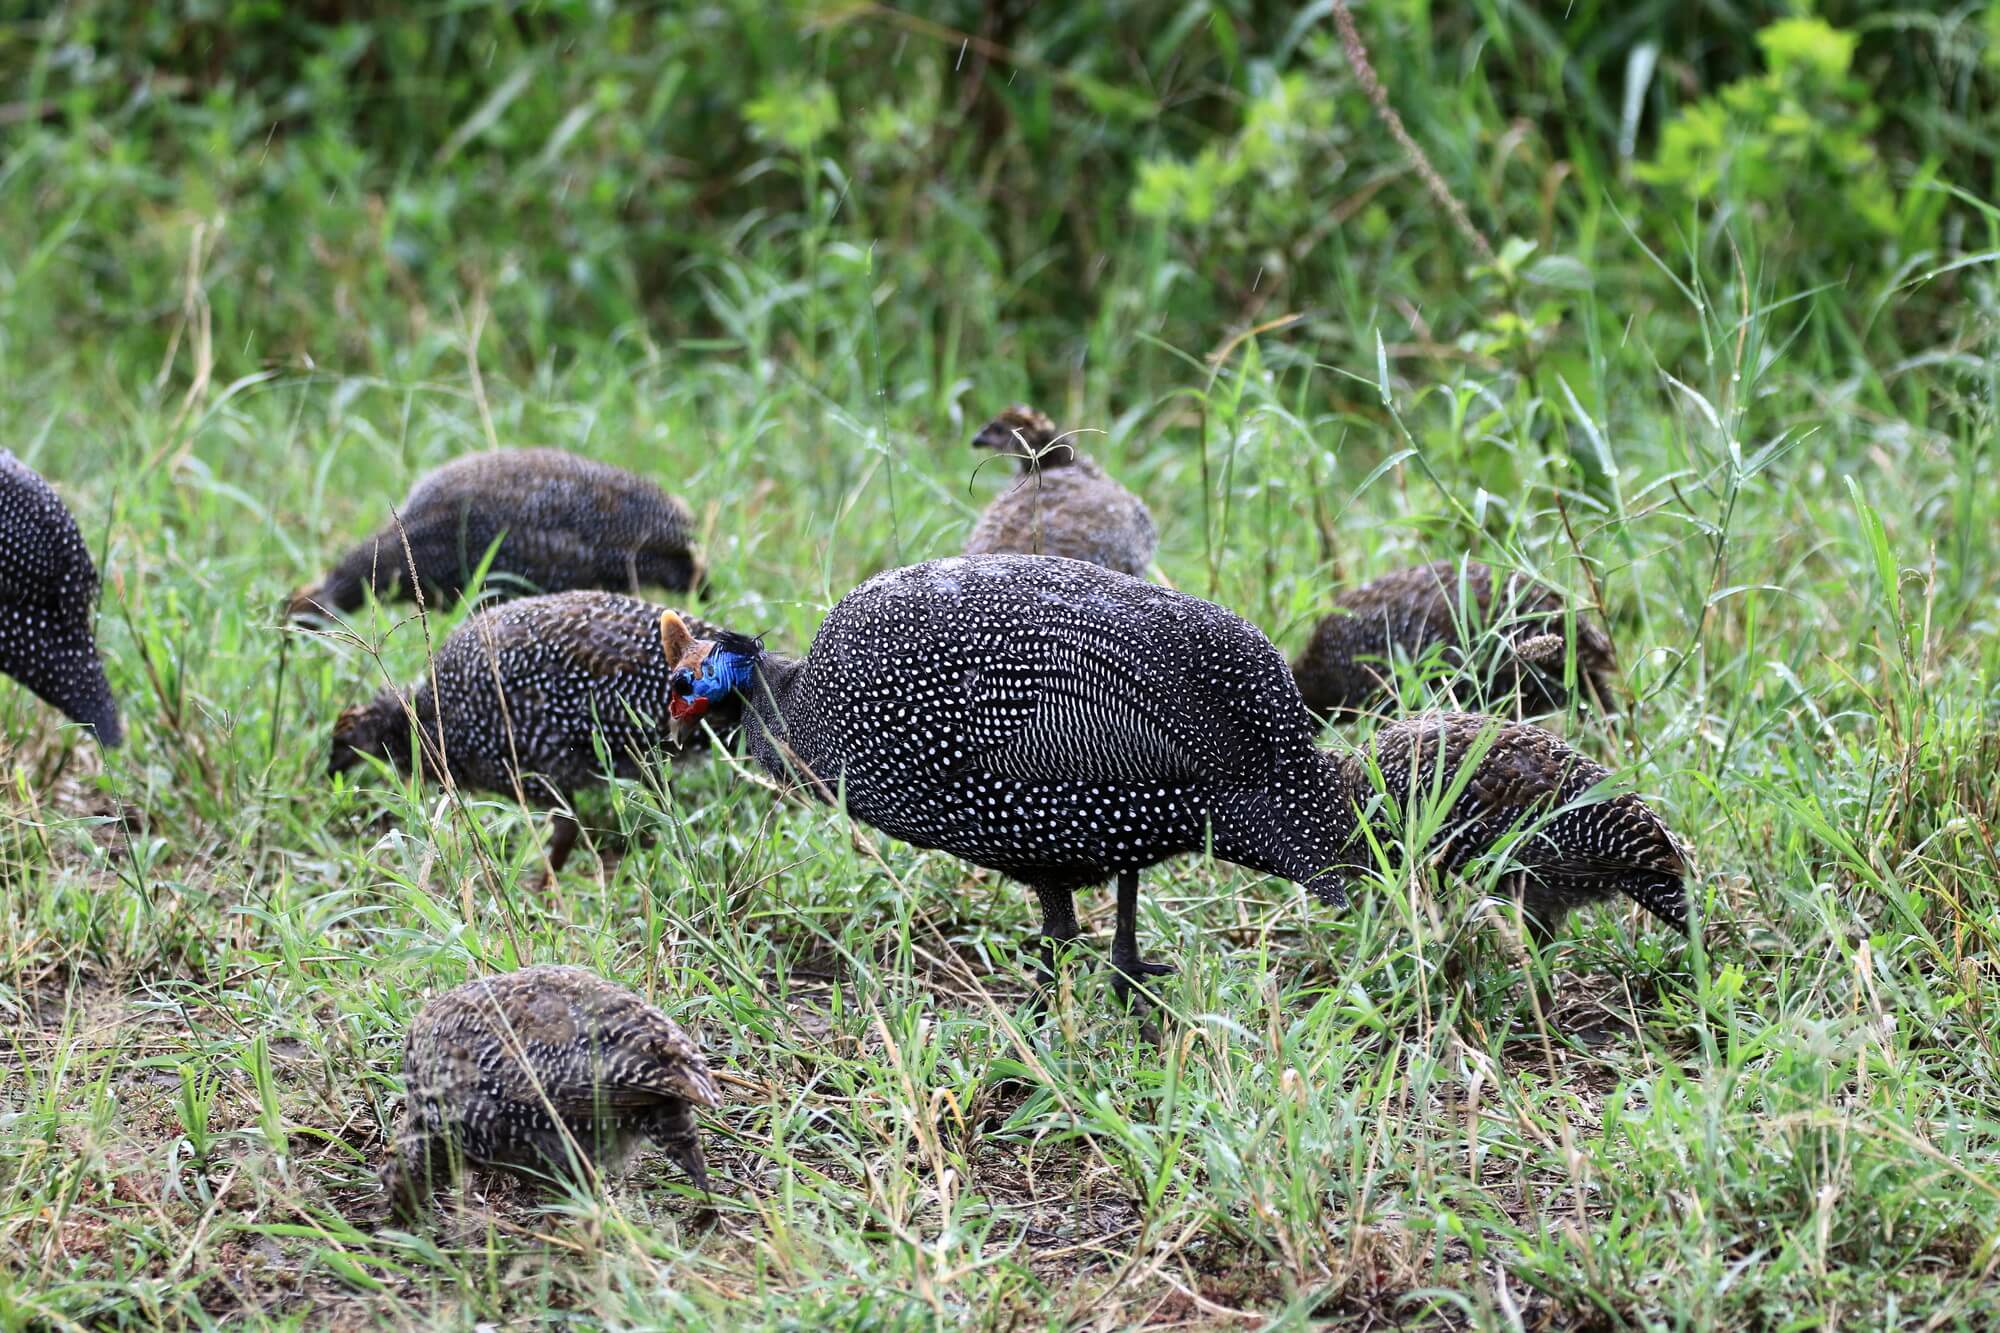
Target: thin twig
(1364, 74)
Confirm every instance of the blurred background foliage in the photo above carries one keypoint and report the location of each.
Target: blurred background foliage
(1071, 176)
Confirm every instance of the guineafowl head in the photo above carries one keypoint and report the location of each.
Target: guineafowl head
(379, 728)
(706, 672)
(1028, 435)
(308, 603)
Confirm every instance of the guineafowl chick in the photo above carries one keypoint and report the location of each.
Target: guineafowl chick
(48, 599)
(522, 693)
(563, 522)
(1573, 850)
(1061, 504)
(1347, 666)
(1062, 724)
(536, 1068)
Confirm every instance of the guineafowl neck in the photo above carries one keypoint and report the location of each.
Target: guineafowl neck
(776, 725)
(1300, 825)
(1329, 809)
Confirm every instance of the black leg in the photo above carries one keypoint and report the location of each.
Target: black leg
(562, 840)
(1125, 941)
(1058, 928)
(1543, 905)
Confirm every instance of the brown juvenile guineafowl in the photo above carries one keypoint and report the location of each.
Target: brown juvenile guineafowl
(1347, 665)
(48, 597)
(524, 691)
(538, 1068)
(1061, 504)
(1057, 722)
(563, 522)
(1572, 850)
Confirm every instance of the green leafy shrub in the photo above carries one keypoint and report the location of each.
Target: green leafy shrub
(1782, 141)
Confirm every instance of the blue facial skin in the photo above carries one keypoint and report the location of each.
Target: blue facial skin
(722, 674)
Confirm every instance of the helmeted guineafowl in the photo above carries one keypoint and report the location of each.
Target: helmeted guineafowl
(537, 1069)
(524, 691)
(1061, 503)
(1052, 720)
(48, 598)
(1516, 634)
(1572, 850)
(564, 522)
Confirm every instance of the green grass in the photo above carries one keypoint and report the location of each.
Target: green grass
(1778, 481)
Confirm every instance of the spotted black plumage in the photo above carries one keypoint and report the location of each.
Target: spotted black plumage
(527, 689)
(1052, 720)
(1572, 850)
(48, 598)
(565, 522)
(1516, 638)
(533, 1068)
(1062, 724)
(1061, 503)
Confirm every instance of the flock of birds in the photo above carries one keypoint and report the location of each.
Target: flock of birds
(1034, 706)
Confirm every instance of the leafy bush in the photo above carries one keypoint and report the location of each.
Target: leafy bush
(1071, 176)
(1782, 141)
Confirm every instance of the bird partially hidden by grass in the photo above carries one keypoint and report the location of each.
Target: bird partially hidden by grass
(548, 1069)
(1572, 842)
(1516, 635)
(48, 601)
(1064, 724)
(522, 697)
(1062, 503)
(561, 522)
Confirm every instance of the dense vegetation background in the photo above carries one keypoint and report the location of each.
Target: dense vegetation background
(1690, 310)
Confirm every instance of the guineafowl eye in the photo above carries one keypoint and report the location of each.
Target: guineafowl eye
(681, 683)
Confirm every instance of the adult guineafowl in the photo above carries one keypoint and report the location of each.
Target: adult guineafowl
(1516, 634)
(1061, 504)
(1054, 721)
(563, 522)
(521, 696)
(48, 598)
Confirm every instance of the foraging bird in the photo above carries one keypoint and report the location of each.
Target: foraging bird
(1347, 667)
(48, 596)
(537, 1068)
(563, 522)
(1049, 719)
(521, 693)
(1062, 503)
(1063, 724)
(1572, 850)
